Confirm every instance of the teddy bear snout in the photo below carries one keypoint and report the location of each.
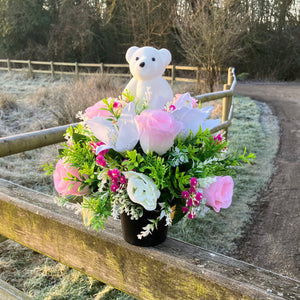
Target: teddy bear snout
(142, 65)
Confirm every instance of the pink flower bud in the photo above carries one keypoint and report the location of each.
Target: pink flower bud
(189, 202)
(100, 160)
(184, 209)
(123, 180)
(191, 215)
(114, 187)
(185, 194)
(115, 173)
(193, 181)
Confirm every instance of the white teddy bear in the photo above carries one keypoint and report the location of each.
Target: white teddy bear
(147, 66)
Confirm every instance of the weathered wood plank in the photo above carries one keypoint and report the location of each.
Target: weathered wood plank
(8, 292)
(172, 270)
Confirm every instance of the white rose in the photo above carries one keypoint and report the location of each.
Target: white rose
(142, 190)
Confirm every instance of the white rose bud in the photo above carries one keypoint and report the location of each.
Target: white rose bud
(141, 189)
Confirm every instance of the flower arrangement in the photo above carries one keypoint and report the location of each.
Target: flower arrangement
(125, 161)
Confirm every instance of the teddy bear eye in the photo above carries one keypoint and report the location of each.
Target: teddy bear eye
(153, 58)
(137, 58)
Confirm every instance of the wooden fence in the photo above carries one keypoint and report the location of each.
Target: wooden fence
(85, 69)
(172, 270)
(32, 140)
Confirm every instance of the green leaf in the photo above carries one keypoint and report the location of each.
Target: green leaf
(79, 138)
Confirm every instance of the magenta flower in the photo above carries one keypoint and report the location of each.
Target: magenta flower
(192, 190)
(116, 104)
(185, 194)
(218, 138)
(115, 173)
(100, 160)
(198, 196)
(115, 180)
(191, 215)
(189, 202)
(172, 107)
(184, 209)
(193, 181)
(114, 187)
(123, 180)
(64, 184)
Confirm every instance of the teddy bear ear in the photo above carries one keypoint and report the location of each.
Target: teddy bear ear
(130, 53)
(165, 55)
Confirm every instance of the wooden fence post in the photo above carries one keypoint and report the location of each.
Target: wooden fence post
(76, 71)
(8, 65)
(30, 72)
(52, 70)
(173, 75)
(227, 101)
(198, 79)
(101, 69)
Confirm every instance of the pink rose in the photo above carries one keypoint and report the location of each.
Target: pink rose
(97, 111)
(157, 130)
(219, 193)
(63, 186)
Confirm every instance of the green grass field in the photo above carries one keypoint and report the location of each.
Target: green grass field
(253, 126)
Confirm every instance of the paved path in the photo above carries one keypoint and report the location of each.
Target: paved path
(273, 240)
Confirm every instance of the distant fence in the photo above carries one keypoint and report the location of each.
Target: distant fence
(85, 69)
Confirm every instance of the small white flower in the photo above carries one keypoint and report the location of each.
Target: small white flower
(204, 183)
(148, 229)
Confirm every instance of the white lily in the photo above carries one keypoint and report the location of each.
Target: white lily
(120, 136)
(193, 118)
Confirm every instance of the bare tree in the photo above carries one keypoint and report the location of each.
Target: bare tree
(210, 33)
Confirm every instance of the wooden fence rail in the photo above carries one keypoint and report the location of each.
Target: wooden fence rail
(172, 270)
(34, 67)
(32, 140)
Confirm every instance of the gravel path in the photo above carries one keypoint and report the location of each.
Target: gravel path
(273, 239)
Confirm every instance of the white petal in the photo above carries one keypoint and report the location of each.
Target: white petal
(210, 124)
(102, 148)
(128, 135)
(191, 118)
(206, 111)
(103, 130)
(184, 101)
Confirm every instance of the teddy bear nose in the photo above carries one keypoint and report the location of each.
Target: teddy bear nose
(142, 65)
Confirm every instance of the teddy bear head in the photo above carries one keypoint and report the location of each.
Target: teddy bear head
(147, 63)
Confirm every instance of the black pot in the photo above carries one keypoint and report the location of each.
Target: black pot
(132, 228)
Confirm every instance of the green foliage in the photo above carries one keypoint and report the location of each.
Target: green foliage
(255, 127)
(48, 168)
(100, 205)
(202, 156)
